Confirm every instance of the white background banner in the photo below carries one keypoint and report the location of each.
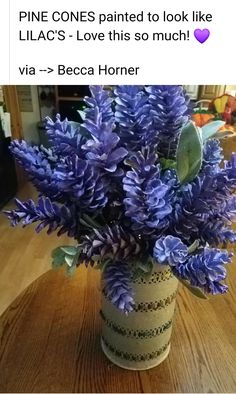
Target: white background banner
(125, 42)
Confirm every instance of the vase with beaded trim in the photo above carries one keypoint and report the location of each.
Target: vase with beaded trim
(141, 339)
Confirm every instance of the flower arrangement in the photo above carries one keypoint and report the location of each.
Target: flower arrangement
(136, 184)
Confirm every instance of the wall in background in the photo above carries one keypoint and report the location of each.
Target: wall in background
(1, 94)
(231, 89)
(30, 119)
(192, 91)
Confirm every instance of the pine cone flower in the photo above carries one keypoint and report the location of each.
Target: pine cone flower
(202, 209)
(116, 286)
(79, 180)
(169, 114)
(228, 176)
(147, 197)
(170, 250)
(216, 230)
(112, 243)
(49, 214)
(102, 150)
(206, 270)
(212, 153)
(100, 101)
(132, 114)
(39, 164)
(64, 136)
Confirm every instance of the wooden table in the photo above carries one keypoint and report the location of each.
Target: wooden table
(50, 342)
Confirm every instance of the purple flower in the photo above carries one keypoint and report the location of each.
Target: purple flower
(170, 250)
(112, 243)
(133, 117)
(228, 175)
(202, 205)
(102, 148)
(101, 101)
(82, 183)
(147, 201)
(64, 136)
(169, 113)
(217, 229)
(212, 153)
(49, 215)
(39, 164)
(206, 270)
(116, 286)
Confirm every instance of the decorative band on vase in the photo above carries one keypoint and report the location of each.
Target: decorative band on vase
(136, 334)
(155, 305)
(136, 357)
(156, 277)
(150, 306)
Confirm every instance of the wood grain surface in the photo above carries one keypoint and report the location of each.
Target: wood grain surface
(24, 255)
(50, 342)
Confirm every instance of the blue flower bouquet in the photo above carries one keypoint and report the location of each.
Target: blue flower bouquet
(140, 188)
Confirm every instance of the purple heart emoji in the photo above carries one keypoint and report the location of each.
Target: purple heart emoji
(201, 35)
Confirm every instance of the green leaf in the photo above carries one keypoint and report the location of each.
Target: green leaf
(210, 129)
(189, 153)
(84, 223)
(142, 269)
(194, 290)
(71, 250)
(71, 270)
(91, 220)
(69, 260)
(194, 246)
(146, 267)
(66, 255)
(167, 163)
(102, 265)
(56, 252)
(223, 134)
(58, 262)
(58, 258)
(82, 114)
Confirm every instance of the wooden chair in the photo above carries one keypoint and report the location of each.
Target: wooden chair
(223, 106)
(202, 105)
